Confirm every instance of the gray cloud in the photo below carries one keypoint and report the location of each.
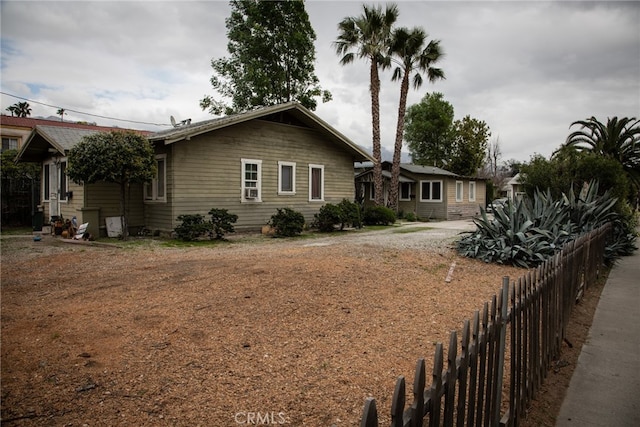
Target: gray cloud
(528, 69)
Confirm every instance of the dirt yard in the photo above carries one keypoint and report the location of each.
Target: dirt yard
(295, 332)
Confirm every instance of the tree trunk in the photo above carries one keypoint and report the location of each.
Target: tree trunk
(397, 148)
(123, 215)
(375, 124)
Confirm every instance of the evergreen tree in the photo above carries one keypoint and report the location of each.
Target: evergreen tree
(272, 55)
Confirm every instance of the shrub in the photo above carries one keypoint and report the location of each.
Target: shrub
(343, 214)
(411, 217)
(222, 222)
(379, 215)
(287, 222)
(328, 217)
(349, 214)
(192, 227)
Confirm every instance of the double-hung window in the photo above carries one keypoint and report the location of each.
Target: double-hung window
(431, 191)
(472, 191)
(251, 180)
(316, 183)
(9, 144)
(286, 178)
(459, 191)
(46, 182)
(405, 191)
(63, 186)
(155, 191)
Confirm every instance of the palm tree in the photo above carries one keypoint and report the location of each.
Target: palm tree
(61, 113)
(22, 109)
(412, 56)
(618, 139)
(369, 35)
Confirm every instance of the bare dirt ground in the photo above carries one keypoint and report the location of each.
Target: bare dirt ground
(299, 330)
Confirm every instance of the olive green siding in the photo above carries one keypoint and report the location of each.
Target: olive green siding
(447, 208)
(205, 172)
(106, 196)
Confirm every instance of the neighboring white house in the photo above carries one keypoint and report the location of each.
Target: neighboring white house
(514, 188)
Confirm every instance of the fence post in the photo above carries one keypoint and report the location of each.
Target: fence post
(435, 392)
(397, 404)
(504, 298)
(417, 408)
(369, 414)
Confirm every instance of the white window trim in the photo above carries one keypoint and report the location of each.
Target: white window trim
(311, 167)
(153, 198)
(60, 198)
(293, 179)
(400, 192)
(243, 163)
(472, 191)
(372, 190)
(460, 185)
(422, 199)
(46, 172)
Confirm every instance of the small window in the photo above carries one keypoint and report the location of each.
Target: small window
(431, 191)
(405, 191)
(316, 183)
(46, 179)
(63, 181)
(459, 191)
(155, 191)
(372, 191)
(286, 178)
(9, 144)
(472, 191)
(251, 180)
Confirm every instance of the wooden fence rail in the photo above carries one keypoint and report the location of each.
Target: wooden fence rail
(529, 319)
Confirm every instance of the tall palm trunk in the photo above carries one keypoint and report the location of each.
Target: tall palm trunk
(375, 124)
(397, 148)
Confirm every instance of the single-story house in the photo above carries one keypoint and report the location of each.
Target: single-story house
(250, 164)
(427, 191)
(515, 188)
(61, 197)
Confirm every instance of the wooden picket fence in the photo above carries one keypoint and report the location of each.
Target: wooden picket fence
(528, 319)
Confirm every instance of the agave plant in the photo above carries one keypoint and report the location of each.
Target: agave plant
(528, 231)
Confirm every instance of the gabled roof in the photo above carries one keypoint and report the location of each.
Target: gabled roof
(294, 109)
(515, 180)
(408, 167)
(426, 170)
(44, 141)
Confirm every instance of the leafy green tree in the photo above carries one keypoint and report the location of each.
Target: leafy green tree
(368, 36)
(413, 58)
(12, 170)
(272, 55)
(469, 146)
(619, 139)
(118, 157)
(20, 109)
(428, 130)
(569, 170)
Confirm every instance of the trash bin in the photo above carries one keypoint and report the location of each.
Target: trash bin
(37, 220)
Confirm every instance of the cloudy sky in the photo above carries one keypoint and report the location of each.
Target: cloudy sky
(528, 69)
